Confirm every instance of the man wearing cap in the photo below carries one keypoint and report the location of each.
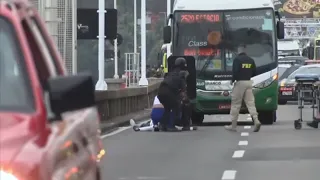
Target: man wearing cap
(243, 69)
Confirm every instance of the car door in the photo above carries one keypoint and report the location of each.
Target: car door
(68, 152)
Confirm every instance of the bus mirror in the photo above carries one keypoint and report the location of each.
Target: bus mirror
(280, 30)
(310, 52)
(167, 34)
(278, 15)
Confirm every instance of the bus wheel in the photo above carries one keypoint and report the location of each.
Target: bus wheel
(197, 118)
(266, 117)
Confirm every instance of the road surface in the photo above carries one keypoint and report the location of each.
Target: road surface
(277, 152)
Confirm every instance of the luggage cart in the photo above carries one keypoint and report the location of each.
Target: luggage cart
(306, 84)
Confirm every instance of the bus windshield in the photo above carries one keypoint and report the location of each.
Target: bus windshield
(192, 32)
(213, 37)
(254, 29)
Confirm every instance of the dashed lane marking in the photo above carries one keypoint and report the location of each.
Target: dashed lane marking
(238, 154)
(247, 127)
(244, 134)
(229, 175)
(243, 143)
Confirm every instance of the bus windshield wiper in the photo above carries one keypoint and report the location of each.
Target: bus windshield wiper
(204, 68)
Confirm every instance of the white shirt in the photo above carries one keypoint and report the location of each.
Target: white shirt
(156, 101)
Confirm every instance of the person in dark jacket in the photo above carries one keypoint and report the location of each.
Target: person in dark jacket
(244, 68)
(186, 107)
(169, 94)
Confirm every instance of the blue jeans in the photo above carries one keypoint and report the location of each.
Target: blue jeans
(156, 115)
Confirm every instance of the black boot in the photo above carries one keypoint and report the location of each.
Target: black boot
(173, 129)
(313, 124)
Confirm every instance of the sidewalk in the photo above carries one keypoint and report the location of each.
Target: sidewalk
(124, 120)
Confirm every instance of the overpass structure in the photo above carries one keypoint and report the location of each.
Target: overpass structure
(302, 29)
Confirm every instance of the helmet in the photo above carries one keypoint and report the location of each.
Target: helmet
(180, 62)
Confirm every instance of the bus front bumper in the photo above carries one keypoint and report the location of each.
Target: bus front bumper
(265, 99)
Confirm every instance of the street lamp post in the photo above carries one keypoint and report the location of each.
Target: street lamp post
(168, 13)
(143, 80)
(135, 27)
(116, 74)
(101, 84)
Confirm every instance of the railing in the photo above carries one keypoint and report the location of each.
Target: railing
(120, 102)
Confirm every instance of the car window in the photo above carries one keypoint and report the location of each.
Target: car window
(44, 61)
(15, 90)
(286, 72)
(305, 70)
(281, 70)
(45, 41)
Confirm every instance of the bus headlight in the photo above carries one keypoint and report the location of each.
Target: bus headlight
(267, 82)
(7, 176)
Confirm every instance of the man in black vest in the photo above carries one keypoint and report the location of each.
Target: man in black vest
(243, 69)
(169, 94)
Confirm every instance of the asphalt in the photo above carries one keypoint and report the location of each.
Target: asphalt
(277, 152)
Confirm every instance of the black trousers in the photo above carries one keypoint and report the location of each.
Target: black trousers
(170, 102)
(186, 111)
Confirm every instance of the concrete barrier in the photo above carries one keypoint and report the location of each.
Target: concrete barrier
(120, 102)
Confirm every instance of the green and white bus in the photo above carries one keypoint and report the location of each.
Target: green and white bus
(211, 31)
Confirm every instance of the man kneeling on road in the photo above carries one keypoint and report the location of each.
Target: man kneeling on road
(169, 93)
(158, 111)
(156, 115)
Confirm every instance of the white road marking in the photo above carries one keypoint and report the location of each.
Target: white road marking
(249, 119)
(229, 175)
(243, 143)
(154, 178)
(244, 134)
(249, 115)
(119, 130)
(115, 132)
(238, 154)
(247, 127)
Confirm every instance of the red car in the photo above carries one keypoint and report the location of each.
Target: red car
(49, 126)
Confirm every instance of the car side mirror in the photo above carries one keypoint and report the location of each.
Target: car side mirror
(310, 52)
(280, 30)
(167, 34)
(69, 93)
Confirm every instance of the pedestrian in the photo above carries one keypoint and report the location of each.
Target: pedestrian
(169, 94)
(243, 69)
